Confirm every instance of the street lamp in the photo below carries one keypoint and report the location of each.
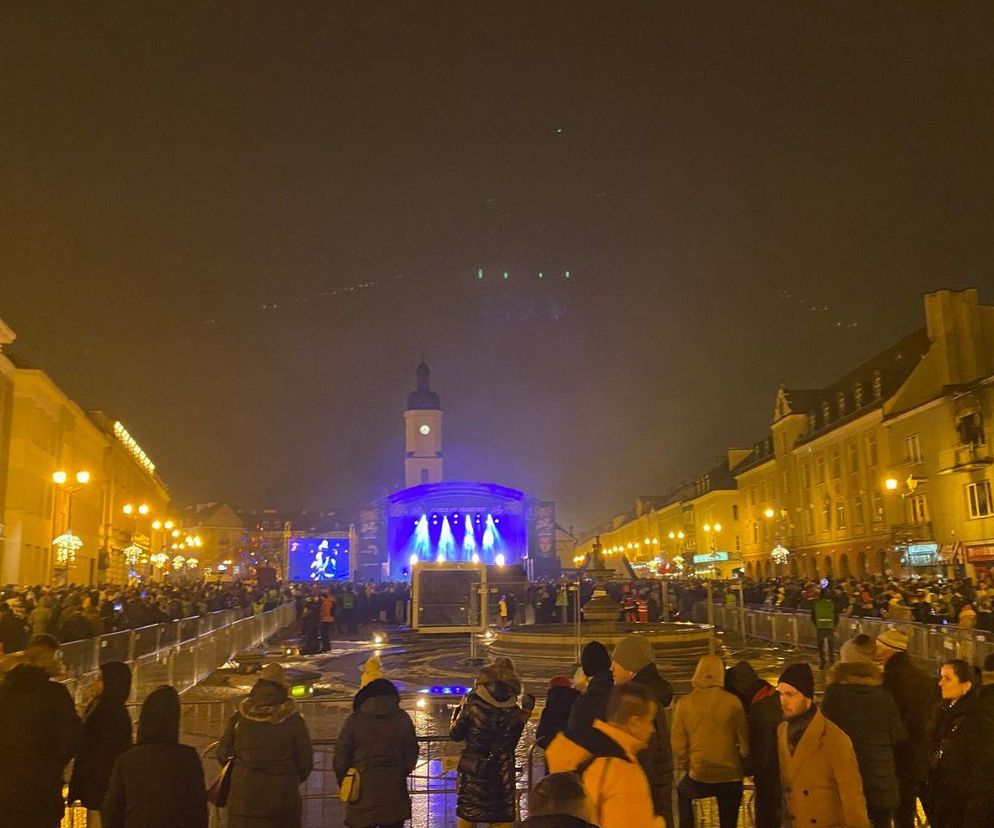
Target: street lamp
(66, 545)
(891, 484)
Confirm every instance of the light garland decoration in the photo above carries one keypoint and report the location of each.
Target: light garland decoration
(66, 546)
(132, 554)
(159, 559)
(192, 563)
(179, 562)
(780, 554)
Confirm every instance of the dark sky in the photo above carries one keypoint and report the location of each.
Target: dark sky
(238, 226)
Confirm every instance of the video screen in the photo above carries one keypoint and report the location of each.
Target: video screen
(318, 559)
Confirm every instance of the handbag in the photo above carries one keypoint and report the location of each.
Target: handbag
(218, 790)
(348, 790)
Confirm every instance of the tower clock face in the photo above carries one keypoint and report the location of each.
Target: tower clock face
(425, 429)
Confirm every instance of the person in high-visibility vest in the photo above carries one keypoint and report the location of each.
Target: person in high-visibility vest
(825, 617)
(642, 603)
(629, 606)
(562, 603)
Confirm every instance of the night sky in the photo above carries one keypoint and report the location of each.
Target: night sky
(237, 227)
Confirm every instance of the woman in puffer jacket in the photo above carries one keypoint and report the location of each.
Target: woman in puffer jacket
(490, 722)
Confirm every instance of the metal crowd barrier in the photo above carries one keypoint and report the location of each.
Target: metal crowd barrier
(930, 644)
(179, 653)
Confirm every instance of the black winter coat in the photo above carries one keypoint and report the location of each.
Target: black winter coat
(378, 739)
(156, 785)
(960, 785)
(657, 758)
(559, 821)
(106, 735)
(856, 700)
(273, 756)
(591, 705)
(490, 722)
(917, 698)
(39, 734)
(555, 715)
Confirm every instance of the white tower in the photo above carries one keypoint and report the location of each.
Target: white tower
(423, 434)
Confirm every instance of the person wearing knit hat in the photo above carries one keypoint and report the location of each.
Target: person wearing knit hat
(892, 640)
(595, 663)
(859, 649)
(819, 774)
(632, 662)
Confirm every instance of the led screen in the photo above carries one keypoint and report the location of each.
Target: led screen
(318, 559)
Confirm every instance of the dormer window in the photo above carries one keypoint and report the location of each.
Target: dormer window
(812, 423)
(857, 394)
(840, 403)
(878, 385)
(826, 413)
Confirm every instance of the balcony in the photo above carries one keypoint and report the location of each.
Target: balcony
(911, 532)
(967, 457)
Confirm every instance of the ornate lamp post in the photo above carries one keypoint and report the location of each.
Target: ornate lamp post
(67, 544)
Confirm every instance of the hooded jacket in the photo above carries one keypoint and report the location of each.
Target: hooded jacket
(106, 735)
(490, 722)
(39, 733)
(377, 739)
(856, 700)
(710, 737)
(917, 698)
(555, 716)
(591, 705)
(158, 783)
(272, 757)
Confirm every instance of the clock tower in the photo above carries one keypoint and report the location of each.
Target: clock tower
(423, 434)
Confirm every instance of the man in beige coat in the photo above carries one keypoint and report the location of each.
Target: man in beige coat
(818, 770)
(710, 740)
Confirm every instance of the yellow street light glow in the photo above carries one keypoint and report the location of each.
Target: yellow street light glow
(769, 512)
(156, 524)
(143, 509)
(680, 535)
(175, 533)
(82, 477)
(672, 535)
(169, 524)
(646, 541)
(707, 527)
(891, 483)
(60, 477)
(655, 541)
(128, 508)
(717, 527)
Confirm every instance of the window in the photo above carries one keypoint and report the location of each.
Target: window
(913, 449)
(840, 403)
(735, 511)
(917, 510)
(876, 505)
(878, 385)
(979, 497)
(836, 464)
(809, 519)
(857, 394)
(859, 510)
(970, 428)
(826, 413)
(738, 544)
(820, 466)
(871, 449)
(806, 475)
(762, 491)
(840, 515)
(424, 475)
(755, 532)
(752, 495)
(786, 482)
(852, 456)
(826, 513)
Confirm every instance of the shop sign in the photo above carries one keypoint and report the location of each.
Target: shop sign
(980, 552)
(711, 557)
(921, 554)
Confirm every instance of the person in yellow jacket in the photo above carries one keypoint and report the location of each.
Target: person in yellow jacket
(710, 740)
(819, 775)
(605, 757)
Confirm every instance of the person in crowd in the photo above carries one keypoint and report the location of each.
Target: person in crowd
(327, 620)
(40, 618)
(960, 791)
(825, 617)
(106, 735)
(348, 611)
(917, 700)
(39, 734)
(595, 664)
(503, 612)
(75, 626)
(13, 634)
(607, 759)
(856, 700)
(819, 774)
(558, 704)
(158, 783)
(490, 723)
(310, 627)
(986, 690)
(762, 706)
(559, 800)
(632, 662)
(372, 669)
(967, 616)
(710, 742)
(379, 741)
(271, 748)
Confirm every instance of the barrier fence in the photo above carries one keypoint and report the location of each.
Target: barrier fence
(179, 653)
(930, 644)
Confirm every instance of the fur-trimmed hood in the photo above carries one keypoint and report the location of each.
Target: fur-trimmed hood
(267, 702)
(855, 672)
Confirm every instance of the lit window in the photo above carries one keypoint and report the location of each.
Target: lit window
(979, 497)
(876, 505)
(826, 413)
(836, 464)
(840, 403)
(859, 510)
(852, 456)
(857, 395)
(917, 510)
(840, 515)
(878, 385)
(871, 449)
